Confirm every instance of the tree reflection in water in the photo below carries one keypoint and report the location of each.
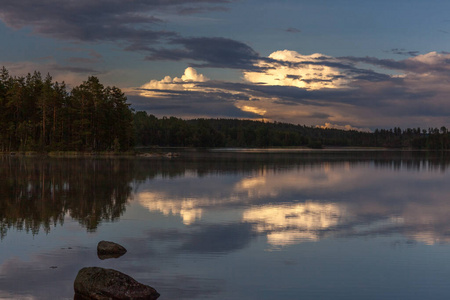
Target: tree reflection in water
(39, 193)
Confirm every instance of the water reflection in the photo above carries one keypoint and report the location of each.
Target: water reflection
(288, 197)
(38, 193)
(198, 225)
(289, 223)
(188, 208)
(306, 200)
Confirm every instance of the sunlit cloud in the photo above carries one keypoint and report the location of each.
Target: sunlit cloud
(256, 110)
(343, 127)
(304, 71)
(320, 90)
(187, 82)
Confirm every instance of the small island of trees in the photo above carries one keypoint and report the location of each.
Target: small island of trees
(37, 114)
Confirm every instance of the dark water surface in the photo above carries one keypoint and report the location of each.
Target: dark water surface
(232, 224)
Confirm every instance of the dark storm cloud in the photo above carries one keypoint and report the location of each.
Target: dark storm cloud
(214, 52)
(131, 21)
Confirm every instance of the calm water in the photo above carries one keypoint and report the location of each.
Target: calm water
(230, 225)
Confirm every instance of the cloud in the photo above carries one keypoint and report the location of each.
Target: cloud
(133, 22)
(432, 62)
(353, 92)
(253, 109)
(185, 83)
(292, 30)
(199, 10)
(191, 105)
(403, 52)
(302, 72)
(343, 127)
(212, 52)
(192, 95)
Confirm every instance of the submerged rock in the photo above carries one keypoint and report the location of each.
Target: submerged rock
(101, 284)
(107, 249)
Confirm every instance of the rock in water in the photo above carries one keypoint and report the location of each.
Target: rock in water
(107, 249)
(101, 284)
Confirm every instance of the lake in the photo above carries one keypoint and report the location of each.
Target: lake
(232, 224)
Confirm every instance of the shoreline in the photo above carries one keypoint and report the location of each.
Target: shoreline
(171, 152)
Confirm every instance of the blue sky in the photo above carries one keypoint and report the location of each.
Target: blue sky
(343, 64)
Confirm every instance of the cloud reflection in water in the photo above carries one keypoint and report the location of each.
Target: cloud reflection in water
(308, 202)
(291, 223)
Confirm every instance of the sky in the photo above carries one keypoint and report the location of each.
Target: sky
(349, 64)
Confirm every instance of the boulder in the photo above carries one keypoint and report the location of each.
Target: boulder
(101, 284)
(107, 249)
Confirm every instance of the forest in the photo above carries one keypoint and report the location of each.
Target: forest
(174, 132)
(37, 114)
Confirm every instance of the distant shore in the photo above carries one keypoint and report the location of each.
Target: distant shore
(148, 153)
(172, 152)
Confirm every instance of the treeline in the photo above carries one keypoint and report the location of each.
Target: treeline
(37, 114)
(414, 138)
(174, 132)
